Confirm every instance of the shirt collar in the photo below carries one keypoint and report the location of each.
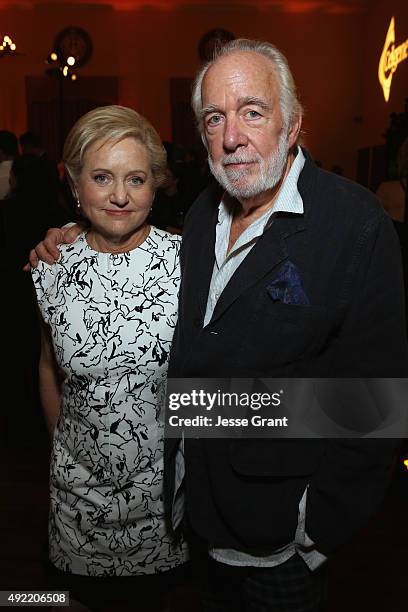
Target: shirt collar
(289, 198)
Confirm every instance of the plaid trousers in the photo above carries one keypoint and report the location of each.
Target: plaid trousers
(289, 587)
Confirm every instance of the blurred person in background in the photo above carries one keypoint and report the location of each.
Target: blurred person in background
(182, 186)
(8, 152)
(31, 205)
(393, 193)
(30, 144)
(394, 197)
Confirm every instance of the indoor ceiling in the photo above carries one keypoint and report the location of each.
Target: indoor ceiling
(287, 6)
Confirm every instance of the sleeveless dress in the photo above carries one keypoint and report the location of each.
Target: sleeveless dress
(112, 318)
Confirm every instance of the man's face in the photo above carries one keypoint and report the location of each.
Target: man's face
(243, 125)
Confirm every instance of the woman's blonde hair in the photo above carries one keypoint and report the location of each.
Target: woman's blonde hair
(112, 124)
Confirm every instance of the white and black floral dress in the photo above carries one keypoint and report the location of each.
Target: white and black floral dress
(112, 319)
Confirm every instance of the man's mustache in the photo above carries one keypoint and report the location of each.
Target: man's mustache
(235, 158)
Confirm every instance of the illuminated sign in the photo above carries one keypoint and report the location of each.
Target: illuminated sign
(390, 58)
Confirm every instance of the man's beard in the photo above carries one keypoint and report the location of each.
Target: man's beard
(239, 183)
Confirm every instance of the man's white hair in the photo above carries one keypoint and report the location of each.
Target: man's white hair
(290, 106)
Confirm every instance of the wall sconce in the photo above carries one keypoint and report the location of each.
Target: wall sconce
(8, 47)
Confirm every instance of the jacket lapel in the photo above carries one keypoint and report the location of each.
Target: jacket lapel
(269, 251)
(205, 265)
(203, 247)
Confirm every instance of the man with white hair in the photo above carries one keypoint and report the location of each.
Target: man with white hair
(287, 271)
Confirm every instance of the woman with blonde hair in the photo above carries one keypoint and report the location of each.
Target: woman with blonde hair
(108, 309)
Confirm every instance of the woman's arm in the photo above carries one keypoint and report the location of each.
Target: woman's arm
(49, 380)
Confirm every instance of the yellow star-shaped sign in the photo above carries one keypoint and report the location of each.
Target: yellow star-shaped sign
(391, 56)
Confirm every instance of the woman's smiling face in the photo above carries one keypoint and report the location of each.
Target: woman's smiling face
(115, 189)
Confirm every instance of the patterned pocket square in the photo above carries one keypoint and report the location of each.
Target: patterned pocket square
(287, 287)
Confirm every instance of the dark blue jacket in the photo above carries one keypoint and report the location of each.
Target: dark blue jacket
(245, 493)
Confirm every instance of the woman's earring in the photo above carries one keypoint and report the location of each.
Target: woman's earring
(78, 204)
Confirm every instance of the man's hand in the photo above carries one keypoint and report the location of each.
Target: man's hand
(47, 250)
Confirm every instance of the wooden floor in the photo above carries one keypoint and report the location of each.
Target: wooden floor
(369, 575)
